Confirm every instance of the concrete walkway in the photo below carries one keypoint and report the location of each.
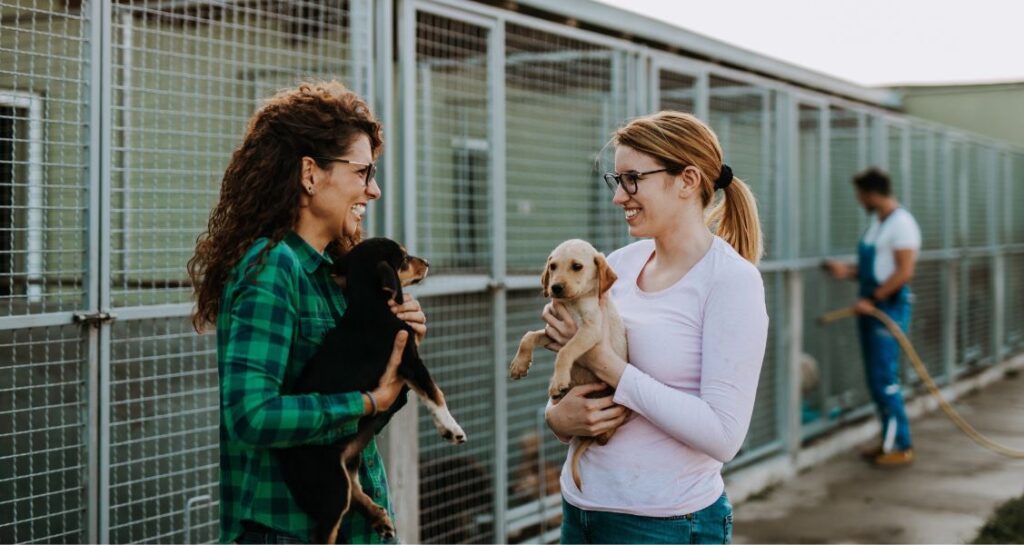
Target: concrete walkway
(944, 497)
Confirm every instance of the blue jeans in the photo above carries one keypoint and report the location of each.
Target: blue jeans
(882, 366)
(713, 524)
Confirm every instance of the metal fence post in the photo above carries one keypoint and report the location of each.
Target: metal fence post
(98, 272)
(999, 259)
(93, 486)
(496, 135)
(793, 337)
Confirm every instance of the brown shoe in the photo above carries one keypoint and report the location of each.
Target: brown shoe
(896, 458)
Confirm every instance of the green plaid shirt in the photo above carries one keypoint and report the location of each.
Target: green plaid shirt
(273, 316)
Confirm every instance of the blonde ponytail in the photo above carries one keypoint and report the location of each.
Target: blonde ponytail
(735, 219)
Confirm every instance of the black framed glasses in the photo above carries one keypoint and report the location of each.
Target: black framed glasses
(628, 179)
(371, 168)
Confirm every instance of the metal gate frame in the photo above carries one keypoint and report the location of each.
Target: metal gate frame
(97, 312)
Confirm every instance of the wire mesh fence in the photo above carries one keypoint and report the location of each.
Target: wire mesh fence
(454, 161)
(44, 124)
(163, 432)
(43, 435)
(549, 154)
(118, 118)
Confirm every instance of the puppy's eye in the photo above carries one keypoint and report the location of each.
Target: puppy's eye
(553, 266)
(577, 267)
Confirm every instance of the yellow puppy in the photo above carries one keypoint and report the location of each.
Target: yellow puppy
(577, 276)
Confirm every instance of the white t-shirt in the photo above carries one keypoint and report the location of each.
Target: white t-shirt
(899, 231)
(695, 353)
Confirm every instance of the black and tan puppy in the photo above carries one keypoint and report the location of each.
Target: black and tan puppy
(324, 479)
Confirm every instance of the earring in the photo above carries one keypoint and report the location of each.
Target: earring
(309, 189)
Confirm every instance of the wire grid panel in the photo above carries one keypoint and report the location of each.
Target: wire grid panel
(677, 91)
(847, 140)
(978, 177)
(833, 350)
(456, 482)
(996, 176)
(974, 315)
(535, 455)
(895, 145)
(742, 115)
(765, 424)
(564, 100)
(1016, 190)
(454, 152)
(927, 332)
(1014, 302)
(926, 188)
(43, 162)
(186, 78)
(812, 181)
(164, 399)
(43, 435)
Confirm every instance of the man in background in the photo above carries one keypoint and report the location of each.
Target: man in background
(886, 256)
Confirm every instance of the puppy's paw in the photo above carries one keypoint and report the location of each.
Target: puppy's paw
(519, 368)
(449, 429)
(559, 387)
(454, 434)
(384, 528)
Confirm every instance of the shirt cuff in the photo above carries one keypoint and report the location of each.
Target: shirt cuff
(627, 392)
(344, 409)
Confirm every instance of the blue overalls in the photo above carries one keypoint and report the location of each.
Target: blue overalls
(882, 352)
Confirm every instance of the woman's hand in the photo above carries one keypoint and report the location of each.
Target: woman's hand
(577, 415)
(411, 313)
(390, 384)
(601, 360)
(560, 327)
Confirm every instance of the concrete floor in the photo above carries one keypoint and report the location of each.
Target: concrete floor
(944, 497)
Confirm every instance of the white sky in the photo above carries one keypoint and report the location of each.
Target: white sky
(871, 42)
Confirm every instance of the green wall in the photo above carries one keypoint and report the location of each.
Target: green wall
(995, 110)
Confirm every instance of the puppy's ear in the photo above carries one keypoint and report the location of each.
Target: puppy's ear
(545, 277)
(388, 278)
(605, 275)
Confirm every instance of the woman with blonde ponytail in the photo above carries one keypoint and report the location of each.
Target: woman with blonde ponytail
(692, 300)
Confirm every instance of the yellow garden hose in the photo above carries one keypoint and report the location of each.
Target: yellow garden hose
(922, 372)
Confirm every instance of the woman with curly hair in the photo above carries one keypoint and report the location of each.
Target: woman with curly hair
(292, 199)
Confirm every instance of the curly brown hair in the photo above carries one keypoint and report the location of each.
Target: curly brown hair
(259, 194)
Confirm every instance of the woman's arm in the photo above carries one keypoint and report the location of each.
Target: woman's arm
(735, 330)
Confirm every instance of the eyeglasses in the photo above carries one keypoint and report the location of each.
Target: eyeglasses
(371, 168)
(627, 179)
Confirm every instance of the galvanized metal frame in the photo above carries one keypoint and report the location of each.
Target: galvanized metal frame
(636, 81)
(103, 281)
(99, 11)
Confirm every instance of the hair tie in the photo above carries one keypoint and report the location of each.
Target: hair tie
(725, 178)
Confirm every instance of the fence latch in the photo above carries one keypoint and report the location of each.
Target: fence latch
(94, 318)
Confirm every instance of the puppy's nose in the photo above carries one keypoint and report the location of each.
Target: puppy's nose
(557, 289)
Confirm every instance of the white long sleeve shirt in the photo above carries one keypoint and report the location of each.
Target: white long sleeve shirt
(695, 353)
